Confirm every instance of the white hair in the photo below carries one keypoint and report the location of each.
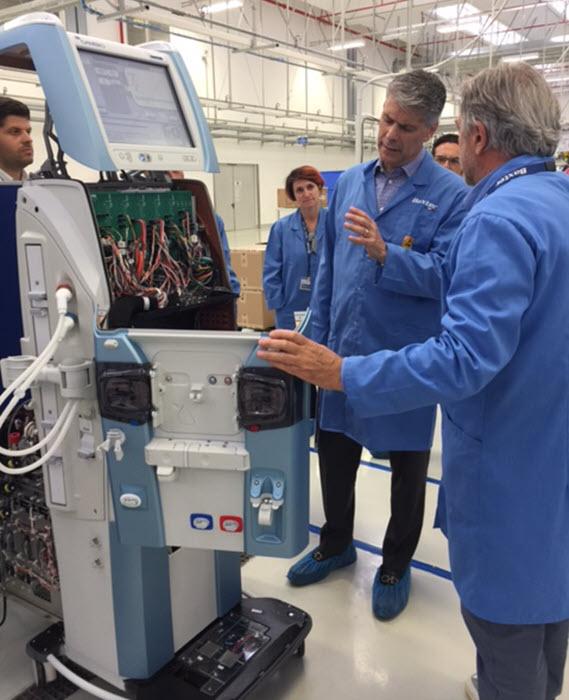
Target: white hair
(516, 105)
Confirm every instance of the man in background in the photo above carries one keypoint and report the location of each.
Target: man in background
(446, 152)
(16, 146)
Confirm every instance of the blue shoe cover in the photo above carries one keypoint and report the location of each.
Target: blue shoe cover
(310, 570)
(388, 600)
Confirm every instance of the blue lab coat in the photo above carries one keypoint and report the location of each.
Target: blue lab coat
(233, 279)
(359, 307)
(287, 262)
(500, 368)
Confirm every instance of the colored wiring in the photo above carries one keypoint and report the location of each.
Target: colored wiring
(159, 258)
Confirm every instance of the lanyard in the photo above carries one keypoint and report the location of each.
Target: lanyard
(310, 243)
(548, 165)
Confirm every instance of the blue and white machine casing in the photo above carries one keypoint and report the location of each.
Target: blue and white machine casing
(195, 479)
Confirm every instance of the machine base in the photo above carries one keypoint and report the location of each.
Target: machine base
(232, 655)
(224, 662)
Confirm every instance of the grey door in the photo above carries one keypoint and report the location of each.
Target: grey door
(236, 193)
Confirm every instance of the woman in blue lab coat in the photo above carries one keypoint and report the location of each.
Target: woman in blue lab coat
(291, 257)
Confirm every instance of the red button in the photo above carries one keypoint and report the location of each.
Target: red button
(231, 523)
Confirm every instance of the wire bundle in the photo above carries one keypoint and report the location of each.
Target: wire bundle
(158, 259)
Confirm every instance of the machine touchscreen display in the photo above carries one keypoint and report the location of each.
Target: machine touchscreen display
(136, 100)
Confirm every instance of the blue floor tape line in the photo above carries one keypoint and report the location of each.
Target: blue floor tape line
(421, 565)
(384, 468)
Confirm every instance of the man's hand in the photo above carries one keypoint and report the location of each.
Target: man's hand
(366, 234)
(295, 354)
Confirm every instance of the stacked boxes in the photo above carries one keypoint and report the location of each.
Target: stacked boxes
(252, 310)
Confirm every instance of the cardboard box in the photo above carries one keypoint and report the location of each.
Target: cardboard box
(283, 202)
(248, 266)
(252, 310)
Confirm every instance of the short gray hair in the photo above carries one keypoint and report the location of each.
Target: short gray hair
(516, 105)
(419, 91)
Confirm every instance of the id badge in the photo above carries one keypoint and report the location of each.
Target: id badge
(305, 284)
(299, 317)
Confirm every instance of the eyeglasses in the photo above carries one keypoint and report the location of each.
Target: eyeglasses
(442, 160)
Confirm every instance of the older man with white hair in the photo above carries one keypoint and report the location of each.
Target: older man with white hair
(499, 368)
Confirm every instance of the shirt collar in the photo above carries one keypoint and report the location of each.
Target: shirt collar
(409, 168)
(481, 189)
(4, 177)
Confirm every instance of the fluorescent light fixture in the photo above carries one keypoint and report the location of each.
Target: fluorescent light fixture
(520, 57)
(471, 27)
(468, 19)
(472, 51)
(496, 34)
(221, 6)
(561, 39)
(356, 44)
(453, 12)
(551, 67)
(560, 7)
(401, 34)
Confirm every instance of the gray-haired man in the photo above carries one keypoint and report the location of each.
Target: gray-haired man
(382, 295)
(499, 369)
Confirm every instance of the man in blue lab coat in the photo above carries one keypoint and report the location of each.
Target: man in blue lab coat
(499, 368)
(361, 304)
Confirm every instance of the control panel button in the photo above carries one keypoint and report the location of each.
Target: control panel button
(201, 521)
(231, 523)
(130, 500)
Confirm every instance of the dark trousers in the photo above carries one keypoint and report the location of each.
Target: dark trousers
(518, 662)
(339, 458)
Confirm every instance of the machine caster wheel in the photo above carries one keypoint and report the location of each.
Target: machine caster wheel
(43, 674)
(300, 650)
(39, 675)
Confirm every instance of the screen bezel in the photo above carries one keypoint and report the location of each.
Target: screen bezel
(162, 157)
(191, 138)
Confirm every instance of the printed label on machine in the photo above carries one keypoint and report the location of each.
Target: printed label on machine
(201, 521)
(231, 523)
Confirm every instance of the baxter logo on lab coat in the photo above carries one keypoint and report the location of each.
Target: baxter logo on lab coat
(428, 205)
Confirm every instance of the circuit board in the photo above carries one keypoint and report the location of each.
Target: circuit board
(154, 246)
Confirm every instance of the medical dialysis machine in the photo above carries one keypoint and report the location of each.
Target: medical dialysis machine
(147, 448)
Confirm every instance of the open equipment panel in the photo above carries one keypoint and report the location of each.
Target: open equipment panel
(167, 449)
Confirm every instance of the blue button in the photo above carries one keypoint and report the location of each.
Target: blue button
(201, 521)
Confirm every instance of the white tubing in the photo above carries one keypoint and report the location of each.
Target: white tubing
(61, 330)
(26, 373)
(50, 452)
(20, 385)
(64, 325)
(42, 443)
(81, 682)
